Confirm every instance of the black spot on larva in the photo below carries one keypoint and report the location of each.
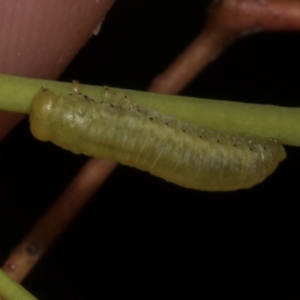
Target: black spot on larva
(200, 136)
(265, 148)
(167, 123)
(218, 141)
(234, 145)
(183, 130)
(111, 105)
(151, 119)
(251, 149)
(44, 89)
(70, 94)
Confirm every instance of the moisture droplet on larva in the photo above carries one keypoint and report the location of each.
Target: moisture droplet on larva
(182, 153)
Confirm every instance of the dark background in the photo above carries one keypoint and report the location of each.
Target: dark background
(138, 231)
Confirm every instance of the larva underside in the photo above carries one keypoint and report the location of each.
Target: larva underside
(187, 155)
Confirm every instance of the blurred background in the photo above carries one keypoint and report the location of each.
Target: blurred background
(151, 231)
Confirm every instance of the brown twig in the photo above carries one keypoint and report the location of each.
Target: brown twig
(227, 20)
(50, 226)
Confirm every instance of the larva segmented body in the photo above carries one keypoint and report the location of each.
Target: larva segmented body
(187, 155)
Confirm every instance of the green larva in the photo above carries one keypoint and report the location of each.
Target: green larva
(182, 153)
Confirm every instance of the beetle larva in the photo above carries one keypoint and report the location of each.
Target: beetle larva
(188, 155)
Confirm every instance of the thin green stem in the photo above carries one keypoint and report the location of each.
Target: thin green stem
(11, 290)
(267, 121)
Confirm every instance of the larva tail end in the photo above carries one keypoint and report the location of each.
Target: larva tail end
(280, 153)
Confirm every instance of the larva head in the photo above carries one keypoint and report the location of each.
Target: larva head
(42, 106)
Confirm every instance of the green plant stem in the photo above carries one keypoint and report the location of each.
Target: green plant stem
(11, 290)
(267, 121)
